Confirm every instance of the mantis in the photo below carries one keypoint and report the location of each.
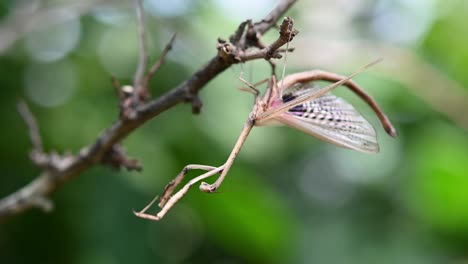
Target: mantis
(296, 102)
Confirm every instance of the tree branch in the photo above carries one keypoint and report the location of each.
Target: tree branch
(60, 169)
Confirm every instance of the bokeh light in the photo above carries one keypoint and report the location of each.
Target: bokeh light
(50, 84)
(55, 42)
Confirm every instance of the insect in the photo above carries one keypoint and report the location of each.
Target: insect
(296, 102)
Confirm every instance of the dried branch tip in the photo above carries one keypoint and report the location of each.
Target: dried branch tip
(287, 30)
(117, 158)
(43, 203)
(287, 34)
(196, 104)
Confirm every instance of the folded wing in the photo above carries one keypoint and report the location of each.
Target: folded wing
(331, 119)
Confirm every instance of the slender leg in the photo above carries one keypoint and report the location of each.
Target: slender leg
(167, 201)
(257, 83)
(176, 197)
(210, 188)
(170, 187)
(252, 88)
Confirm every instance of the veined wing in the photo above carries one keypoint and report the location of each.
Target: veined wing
(331, 119)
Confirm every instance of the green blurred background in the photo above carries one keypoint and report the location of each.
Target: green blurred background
(289, 197)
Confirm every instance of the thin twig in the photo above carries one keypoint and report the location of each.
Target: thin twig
(157, 64)
(117, 87)
(31, 122)
(143, 62)
(270, 20)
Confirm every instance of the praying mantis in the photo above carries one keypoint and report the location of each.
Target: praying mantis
(295, 102)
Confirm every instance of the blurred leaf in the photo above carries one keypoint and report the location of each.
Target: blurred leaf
(247, 218)
(438, 187)
(447, 48)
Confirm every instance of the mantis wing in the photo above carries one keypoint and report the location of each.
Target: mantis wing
(331, 119)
